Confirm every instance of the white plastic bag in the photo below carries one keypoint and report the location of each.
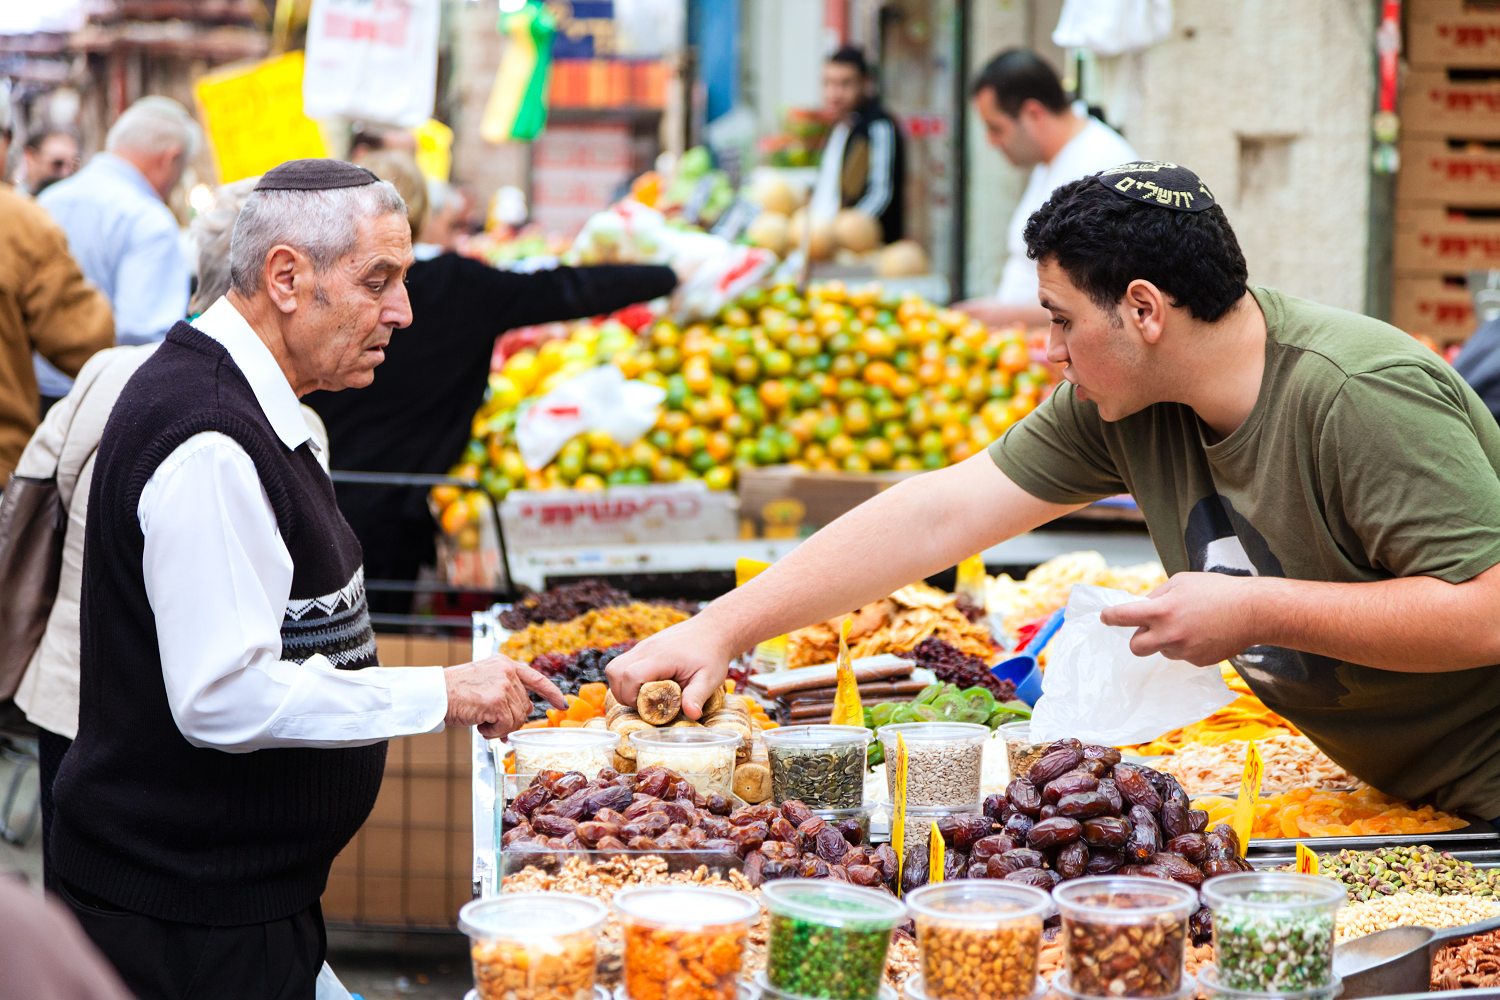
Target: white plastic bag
(1110, 27)
(375, 61)
(1096, 690)
(599, 399)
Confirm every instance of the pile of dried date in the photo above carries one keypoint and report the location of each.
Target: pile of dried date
(1081, 811)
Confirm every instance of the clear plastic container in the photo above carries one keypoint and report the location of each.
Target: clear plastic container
(704, 756)
(677, 934)
(859, 814)
(1273, 931)
(584, 750)
(919, 825)
(979, 939)
(945, 761)
(1124, 937)
(823, 767)
(533, 945)
(828, 939)
(1210, 987)
(915, 988)
(1020, 751)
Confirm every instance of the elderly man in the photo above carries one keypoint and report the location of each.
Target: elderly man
(232, 719)
(120, 229)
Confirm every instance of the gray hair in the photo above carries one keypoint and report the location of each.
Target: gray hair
(211, 230)
(155, 125)
(324, 225)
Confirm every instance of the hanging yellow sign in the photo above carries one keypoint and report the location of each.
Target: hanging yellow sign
(1307, 861)
(898, 809)
(937, 855)
(847, 711)
(434, 149)
(1244, 809)
(971, 578)
(253, 116)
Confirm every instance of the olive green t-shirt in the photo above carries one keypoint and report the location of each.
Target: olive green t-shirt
(1365, 458)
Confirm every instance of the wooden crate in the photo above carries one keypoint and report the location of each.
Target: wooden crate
(1435, 107)
(1438, 307)
(1434, 243)
(1464, 40)
(1432, 172)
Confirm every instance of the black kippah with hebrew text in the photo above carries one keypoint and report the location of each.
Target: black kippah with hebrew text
(315, 175)
(1165, 185)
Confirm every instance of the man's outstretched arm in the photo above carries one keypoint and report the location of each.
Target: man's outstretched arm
(910, 531)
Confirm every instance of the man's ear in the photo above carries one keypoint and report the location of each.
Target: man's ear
(282, 267)
(1144, 306)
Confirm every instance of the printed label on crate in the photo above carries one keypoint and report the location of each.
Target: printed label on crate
(621, 515)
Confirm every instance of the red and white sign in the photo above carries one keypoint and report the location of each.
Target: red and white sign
(372, 59)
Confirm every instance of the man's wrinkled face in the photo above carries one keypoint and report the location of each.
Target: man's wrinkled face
(843, 86)
(341, 334)
(1012, 136)
(1103, 357)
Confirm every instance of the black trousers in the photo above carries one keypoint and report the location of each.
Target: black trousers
(165, 960)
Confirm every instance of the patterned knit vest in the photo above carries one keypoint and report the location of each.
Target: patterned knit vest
(145, 819)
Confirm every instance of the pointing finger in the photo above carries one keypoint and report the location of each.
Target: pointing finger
(539, 682)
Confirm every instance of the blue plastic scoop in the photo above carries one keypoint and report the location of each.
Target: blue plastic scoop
(1021, 669)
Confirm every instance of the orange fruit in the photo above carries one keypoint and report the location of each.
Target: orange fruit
(720, 446)
(880, 373)
(690, 441)
(878, 452)
(930, 373)
(960, 451)
(593, 693)
(774, 394)
(840, 446)
(674, 422)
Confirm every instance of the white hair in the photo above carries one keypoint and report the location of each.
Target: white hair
(211, 230)
(155, 125)
(324, 225)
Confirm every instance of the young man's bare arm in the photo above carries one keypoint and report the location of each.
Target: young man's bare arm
(910, 531)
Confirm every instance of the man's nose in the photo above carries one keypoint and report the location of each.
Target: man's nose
(397, 310)
(1057, 348)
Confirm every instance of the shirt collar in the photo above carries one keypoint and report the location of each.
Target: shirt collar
(127, 172)
(223, 322)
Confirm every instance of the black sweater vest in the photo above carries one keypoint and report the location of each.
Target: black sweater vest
(145, 819)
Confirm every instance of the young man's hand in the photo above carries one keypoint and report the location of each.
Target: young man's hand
(492, 694)
(693, 653)
(1198, 617)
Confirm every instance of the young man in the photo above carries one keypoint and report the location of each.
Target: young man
(1028, 118)
(51, 156)
(864, 162)
(1322, 488)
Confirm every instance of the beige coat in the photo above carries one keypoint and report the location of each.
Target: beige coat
(66, 444)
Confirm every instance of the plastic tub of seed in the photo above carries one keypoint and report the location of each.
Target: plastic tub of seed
(1124, 937)
(944, 761)
(828, 939)
(533, 945)
(1020, 751)
(1273, 931)
(822, 767)
(585, 750)
(684, 942)
(704, 756)
(979, 938)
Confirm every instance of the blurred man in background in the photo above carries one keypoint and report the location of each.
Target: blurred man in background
(864, 161)
(1028, 118)
(51, 156)
(120, 228)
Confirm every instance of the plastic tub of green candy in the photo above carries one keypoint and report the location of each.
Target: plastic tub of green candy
(1273, 932)
(828, 939)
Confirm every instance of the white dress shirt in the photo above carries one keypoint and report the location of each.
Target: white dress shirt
(218, 577)
(1098, 147)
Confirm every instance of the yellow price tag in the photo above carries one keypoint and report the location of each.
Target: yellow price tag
(746, 570)
(971, 578)
(769, 656)
(936, 855)
(898, 809)
(847, 711)
(1307, 861)
(1244, 808)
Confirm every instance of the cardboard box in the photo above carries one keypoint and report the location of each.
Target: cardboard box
(1468, 40)
(1429, 11)
(1434, 243)
(1434, 173)
(780, 501)
(619, 515)
(1434, 106)
(1439, 307)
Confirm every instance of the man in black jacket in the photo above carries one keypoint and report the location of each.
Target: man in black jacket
(864, 161)
(416, 415)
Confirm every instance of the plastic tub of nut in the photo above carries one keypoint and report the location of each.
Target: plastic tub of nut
(704, 756)
(533, 945)
(979, 938)
(1124, 937)
(915, 988)
(684, 942)
(944, 761)
(1273, 931)
(822, 767)
(828, 939)
(584, 750)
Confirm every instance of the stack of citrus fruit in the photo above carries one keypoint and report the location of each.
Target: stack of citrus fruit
(852, 380)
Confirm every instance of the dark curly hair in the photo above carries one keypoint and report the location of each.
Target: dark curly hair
(1104, 242)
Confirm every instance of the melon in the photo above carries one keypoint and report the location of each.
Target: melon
(902, 259)
(774, 195)
(854, 230)
(770, 230)
(821, 245)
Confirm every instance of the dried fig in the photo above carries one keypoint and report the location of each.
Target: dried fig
(658, 702)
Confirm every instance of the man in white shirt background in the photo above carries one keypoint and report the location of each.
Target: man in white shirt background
(232, 716)
(1028, 118)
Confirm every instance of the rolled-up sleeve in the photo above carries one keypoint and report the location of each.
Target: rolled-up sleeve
(218, 577)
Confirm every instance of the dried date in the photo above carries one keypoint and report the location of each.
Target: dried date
(1023, 797)
(830, 845)
(521, 831)
(721, 845)
(1013, 861)
(1174, 819)
(1109, 755)
(1193, 846)
(1104, 861)
(781, 829)
(961, 831)
(987, 847)
(1048, 812)
(1097, 768)
(1106, 831)
(867, 875)
(1055, 763)
(717, 804)
(1039, 878)
(532, 797)
(763, 813)
(851, 830)
(749, 836)
(754, 862)
(914, 872)
(569, 783)
(592, 831)
(716, 826)
(553, 826)
(954, 864)
(643, 844)
(1136, 787)
(1199, 820)
(1072, 861)
(885, 859)
(795, 812)
(613, 797)
(1068, 784)
(1054, 832)
(995, 807)
(1018, 826)
(812, 866)
(1112, 792)
(610, 844)
(1084, 805)
(1178, 868)
(1226, 832)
